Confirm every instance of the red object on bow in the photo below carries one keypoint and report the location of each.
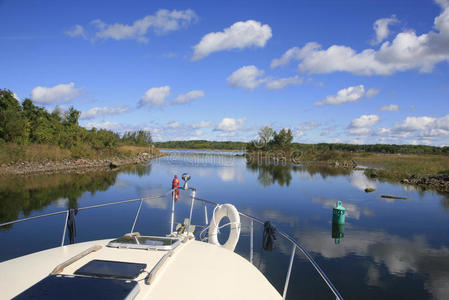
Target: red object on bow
(175, 184)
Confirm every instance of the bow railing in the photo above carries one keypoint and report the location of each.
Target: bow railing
(252, 219)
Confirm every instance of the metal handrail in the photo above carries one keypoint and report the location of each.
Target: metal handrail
(296, 244)
(81, 208)
(34, 217)
(194, 198)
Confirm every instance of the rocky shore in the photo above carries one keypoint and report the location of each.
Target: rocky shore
(296, 158)
(26, 168)
(436, 182)
(440, 182)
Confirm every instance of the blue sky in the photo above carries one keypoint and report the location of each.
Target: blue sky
(332, 71)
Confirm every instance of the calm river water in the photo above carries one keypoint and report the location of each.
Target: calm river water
(387, 249)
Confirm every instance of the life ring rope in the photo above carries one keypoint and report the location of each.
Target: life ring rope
(221, 211)
(227, 224)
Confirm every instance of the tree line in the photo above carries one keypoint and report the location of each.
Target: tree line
(202, 144)
(25, 123)
(271, 140)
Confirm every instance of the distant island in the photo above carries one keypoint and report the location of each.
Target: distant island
(422, 165)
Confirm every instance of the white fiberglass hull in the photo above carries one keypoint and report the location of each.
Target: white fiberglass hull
(195, 270)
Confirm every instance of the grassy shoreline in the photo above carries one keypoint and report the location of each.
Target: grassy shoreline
(202, 149)
(406, 165)
(12, 153)
(429, 170)
(35, 159)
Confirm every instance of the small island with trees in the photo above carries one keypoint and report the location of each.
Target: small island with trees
(426, 166)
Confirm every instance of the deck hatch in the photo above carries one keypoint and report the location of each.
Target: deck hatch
(78, 287)
(111, 269)
(145, 242)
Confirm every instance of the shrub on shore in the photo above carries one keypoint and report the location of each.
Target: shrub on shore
(29, 132)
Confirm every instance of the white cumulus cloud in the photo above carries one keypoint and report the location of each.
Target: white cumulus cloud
(382, 30)
(227, 134)
(290, 54)
(114, 126)
(173, 125)
(350, 94)
(419, 123)
(250, 77)
(308, 126)
(163, 21)
(203, 124)
(188, 97)
(155, 96)
(230, 124)
(364, 121)
(280, 83)
(391, 107)
(97, 112)
(247, 77)
(418, 130)
(76, 31)
(406, 51)
(58, 93)
(359, 131)
(372, 92)
(240, 35)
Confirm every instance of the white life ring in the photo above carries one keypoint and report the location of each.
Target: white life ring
(221, 211)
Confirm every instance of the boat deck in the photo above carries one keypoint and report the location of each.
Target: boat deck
(195, 270)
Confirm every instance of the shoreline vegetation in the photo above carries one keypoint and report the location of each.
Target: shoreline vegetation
(34, 140)
(419, 165)
(129, 155)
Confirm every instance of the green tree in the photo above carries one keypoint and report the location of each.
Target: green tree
(283, 139)
(71, 116)
(137, 138)
(57, 114)
(12, 121)
(265, 134)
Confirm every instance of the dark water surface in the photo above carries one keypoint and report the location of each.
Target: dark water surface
(390, 249)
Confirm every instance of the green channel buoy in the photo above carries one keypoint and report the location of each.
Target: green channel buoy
(338, 213)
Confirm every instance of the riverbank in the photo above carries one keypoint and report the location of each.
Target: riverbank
(201, 149)
(426, 171)
(131, 155)
(329, 158)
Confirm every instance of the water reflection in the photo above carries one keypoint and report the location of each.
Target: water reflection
(360, 181)
(272, 173)
(324, 171)
(230, 174)
(398, 254)
(185, 158)
(139, 170)
(338, 232)
(353, 211)
(445, 203)
(379, 251)
(22, 195)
